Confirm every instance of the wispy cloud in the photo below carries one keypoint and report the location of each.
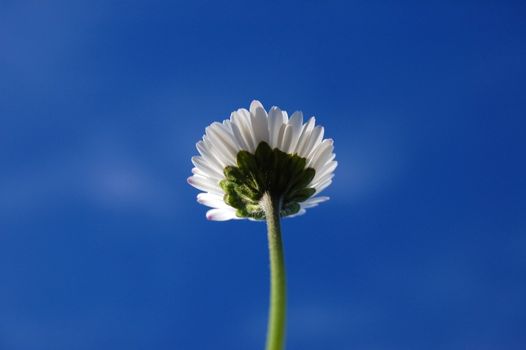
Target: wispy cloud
(370, 157)
(108, 176)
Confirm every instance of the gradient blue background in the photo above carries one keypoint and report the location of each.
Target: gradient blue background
(102, 245)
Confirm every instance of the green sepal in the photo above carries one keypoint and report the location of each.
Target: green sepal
(227, 186)
(248, 193)
(290, 209)
(301, 195)
(247, 162)
(233, 173)
(302, 180)
(270, 170)
(233, 200)
(264, 156)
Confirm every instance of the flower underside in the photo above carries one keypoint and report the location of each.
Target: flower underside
(284, 176)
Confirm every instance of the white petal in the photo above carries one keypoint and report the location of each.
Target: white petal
(208, 157)
(328, 168)
(247, 122)
(227, 127)
(312, 202)
(222, 214)
(314, 141)
(204, 184)
(296, 121)
(324, 154)
(219, 155)
(317, 183)
(223, 131)
(275, 121)
(205, 196)
(306, 131)
(206, 167)
(205, 181)
(211, 200)
(323, 186)
(299, 213)
(259, 124)
(242, 119)
(286, 138)
(213, 177)
(254, 105)
(285, 117)
(240, 137)
(323, 150)
(220, 147)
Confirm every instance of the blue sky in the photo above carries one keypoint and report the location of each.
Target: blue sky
(102, 245)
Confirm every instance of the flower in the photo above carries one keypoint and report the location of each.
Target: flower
(255, 152)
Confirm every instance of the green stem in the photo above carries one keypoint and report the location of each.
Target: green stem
(276, 321)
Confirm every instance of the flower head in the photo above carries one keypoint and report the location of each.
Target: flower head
(255, 152)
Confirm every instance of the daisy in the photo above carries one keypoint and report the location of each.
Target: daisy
(255, 152)
(264, 166)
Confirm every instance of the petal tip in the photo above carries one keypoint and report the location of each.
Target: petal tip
(254, 105)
